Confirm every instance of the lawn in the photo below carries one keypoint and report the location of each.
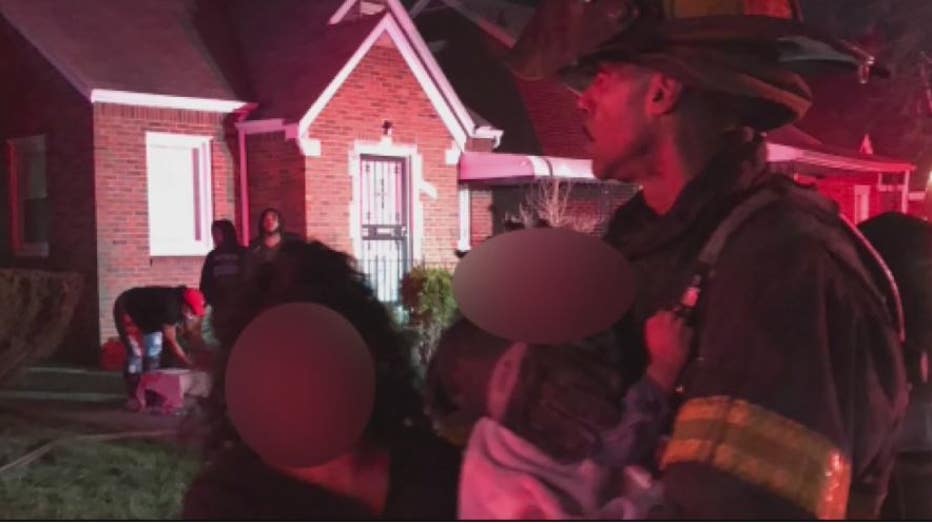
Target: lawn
(121, 479)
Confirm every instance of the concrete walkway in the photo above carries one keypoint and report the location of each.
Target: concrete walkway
(88, 400)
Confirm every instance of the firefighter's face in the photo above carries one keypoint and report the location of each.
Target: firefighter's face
(621, 118)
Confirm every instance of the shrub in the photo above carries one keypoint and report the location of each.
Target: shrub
(427, 296)
(36, 308)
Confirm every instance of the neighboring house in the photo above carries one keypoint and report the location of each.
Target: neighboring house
(130, 125)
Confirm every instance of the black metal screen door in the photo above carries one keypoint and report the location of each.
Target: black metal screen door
(385, 254)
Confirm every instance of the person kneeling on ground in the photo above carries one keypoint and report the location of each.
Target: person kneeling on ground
(145, 317)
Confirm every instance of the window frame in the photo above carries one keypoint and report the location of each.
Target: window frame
(15, 149)
(202, 145)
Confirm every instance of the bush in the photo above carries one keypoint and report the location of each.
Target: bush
(36, 308)
(427, 296)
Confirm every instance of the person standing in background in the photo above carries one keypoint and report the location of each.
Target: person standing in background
(270, 237)
(223, 267)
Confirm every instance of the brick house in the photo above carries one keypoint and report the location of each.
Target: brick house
(128, 127)
(396, 136)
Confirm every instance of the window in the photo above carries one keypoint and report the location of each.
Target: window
(29, 201)
(179, 190)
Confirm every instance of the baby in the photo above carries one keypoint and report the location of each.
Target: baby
(505, 477)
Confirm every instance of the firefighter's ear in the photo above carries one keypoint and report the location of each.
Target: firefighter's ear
(663, 94)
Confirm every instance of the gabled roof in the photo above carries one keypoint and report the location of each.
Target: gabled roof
(288, 77)
(162, 47)
(300, 64)
(538, 118)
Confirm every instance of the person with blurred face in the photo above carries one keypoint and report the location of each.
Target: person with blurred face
(398, 470)
(789, 403)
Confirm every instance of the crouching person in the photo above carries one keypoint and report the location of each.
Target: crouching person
(148, 318)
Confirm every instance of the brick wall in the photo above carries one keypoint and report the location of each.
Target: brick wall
(482, 223)
(122, 207)
(275, 170)
(381, 88)
(36, 100)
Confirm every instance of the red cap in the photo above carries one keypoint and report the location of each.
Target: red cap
(195, 300)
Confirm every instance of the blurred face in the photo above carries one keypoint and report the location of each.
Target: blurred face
(270, 222)
(617, 120)
(217, 234)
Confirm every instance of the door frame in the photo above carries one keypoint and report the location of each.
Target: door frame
(414, 163)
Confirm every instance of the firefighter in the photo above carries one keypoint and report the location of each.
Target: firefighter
(790, 401)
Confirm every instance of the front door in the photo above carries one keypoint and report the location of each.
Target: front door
(385, 254)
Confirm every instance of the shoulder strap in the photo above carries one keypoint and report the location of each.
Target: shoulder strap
(713, 248)
(872, 270)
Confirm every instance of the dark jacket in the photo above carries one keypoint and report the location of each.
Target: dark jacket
(153, 307)
(237, 485)
(798, 385)
(259, 252)
(222, 273)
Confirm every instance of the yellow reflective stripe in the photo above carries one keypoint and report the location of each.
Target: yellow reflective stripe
(765, 449)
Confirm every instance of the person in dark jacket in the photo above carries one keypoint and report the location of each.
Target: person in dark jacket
(905, 243)
(271, 234)
(148, 317)
(791, 401)
(399, 470)
(223, 268)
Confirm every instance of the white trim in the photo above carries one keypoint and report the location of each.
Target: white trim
(904, 199)
(465, 210)
(243, 185)
(201, 144)
(503, 167)
(15, 147)
(783, 153)
(430, 64)
(491, 29)
(420, 60)
(310, 147)
(490, 133)
(344, 10)
(388, 25)
(129, 98)
(269, 125)
(839, 162)
(862, 202)
(417, 186)
(340, 13)
(917, 196)
(418, 7)
(452, 155)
